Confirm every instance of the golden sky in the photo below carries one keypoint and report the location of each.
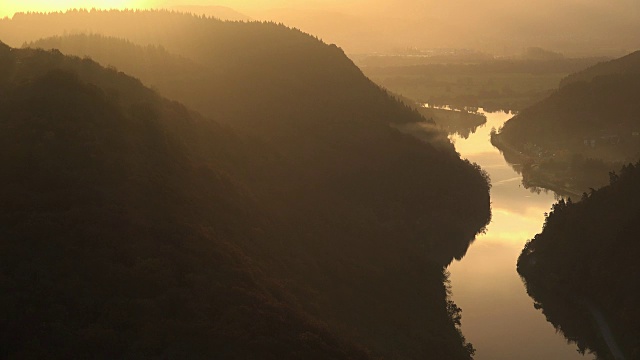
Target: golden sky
(9, 7)
(448, 9)
(504, 27)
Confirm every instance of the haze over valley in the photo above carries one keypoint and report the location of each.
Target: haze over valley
(320, 179)
(500, 27)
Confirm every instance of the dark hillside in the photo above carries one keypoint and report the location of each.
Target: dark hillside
(314, 126)
(106, 250)
(605, 106)
(588, 252)
(334, 213)
(245, 73)
(154, 65)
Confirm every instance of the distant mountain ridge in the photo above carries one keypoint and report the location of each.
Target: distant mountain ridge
(629, 65)
(219, 12)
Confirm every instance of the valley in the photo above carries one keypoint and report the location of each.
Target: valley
(190, 183)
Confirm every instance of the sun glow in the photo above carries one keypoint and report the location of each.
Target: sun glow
(7, 10)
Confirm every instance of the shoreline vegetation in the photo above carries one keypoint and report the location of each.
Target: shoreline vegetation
(463, 122)
(452, 120)
(581, 269)
(584, 138)
(532, 176)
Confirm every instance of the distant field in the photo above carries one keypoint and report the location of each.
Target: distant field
(490, 84)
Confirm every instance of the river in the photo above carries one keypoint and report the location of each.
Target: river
(498, 316)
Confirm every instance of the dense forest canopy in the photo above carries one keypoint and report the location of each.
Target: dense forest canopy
(98, 257)
(588, 252)
(275, 220)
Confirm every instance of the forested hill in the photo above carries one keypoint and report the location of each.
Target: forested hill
(311, 217)
(243, 73)
(586, 128)
(606, 106)
(302, 96)
(629, 64)
(119, 239)
(589, 251)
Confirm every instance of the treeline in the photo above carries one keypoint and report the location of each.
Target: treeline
(586, 255)
(153, 64)
(289, 220)
(461, 122)
(440, 122)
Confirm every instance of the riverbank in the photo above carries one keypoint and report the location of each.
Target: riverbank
(587, 253)
(533, 176)
(460, 122)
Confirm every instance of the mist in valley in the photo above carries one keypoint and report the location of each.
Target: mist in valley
(320, 179)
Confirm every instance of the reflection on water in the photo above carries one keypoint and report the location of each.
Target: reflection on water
(498, 316)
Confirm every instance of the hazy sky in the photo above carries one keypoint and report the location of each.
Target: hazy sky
(496, 26)
(9, 7)
(415, 7)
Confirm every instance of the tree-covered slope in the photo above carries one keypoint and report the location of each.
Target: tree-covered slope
(116, 242)
(261, 64)
(606, 106)
(340, 223)
(302, 96)
(587, 253)
(628, 64)
(588, 127)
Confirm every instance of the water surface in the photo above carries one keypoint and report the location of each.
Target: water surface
(498, 316)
